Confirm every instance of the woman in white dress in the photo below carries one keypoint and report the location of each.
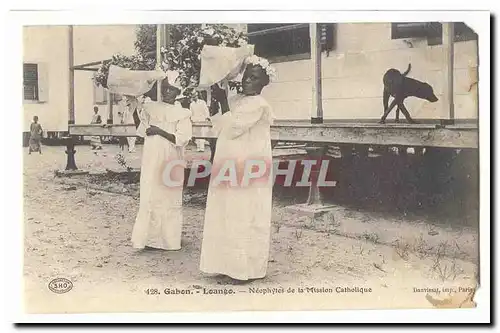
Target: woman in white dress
(167, 128)
(236, 236)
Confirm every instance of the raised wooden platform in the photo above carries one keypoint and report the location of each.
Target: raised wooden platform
(417, 135)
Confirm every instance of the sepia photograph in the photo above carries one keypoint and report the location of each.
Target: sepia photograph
(201, 166)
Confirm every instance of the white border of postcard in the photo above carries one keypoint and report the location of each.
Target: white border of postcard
(111, 14)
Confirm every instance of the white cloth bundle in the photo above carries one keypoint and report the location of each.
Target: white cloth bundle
(220, 63)
(132, 83)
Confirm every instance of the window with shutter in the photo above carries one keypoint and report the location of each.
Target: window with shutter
(30, 82)
(287, 42)
(432, 31)
(463, 32)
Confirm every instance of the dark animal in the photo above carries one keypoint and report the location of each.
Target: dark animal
(399, 86)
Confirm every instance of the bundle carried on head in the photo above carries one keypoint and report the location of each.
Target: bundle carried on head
(132, 63)
(184, 55)
(222, 64)
(132, 83)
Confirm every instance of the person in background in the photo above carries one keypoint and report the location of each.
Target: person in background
(122, 140)
(200, 112)
(36, 133)
(95, 140)
(129, 118)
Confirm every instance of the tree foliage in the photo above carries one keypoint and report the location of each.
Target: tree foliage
(145, 39)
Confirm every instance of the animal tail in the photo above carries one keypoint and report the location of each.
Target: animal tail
(408, 70)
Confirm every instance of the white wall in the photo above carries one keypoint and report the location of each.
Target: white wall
(352, 76)
(48, 47)
(96, 43)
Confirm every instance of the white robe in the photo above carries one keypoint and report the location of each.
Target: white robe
(199, 110)
(200, 113)
(159, 220)
(236, 236)
(128, 118)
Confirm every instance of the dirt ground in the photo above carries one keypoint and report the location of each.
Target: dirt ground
(80, 230)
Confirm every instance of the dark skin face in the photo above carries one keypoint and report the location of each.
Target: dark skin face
(254, 79)
(35, 119)
(169, 93)
(96, 110)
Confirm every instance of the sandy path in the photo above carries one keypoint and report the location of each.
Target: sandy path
(84, 235)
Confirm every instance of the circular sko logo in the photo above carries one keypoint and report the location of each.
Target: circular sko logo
(60, 285)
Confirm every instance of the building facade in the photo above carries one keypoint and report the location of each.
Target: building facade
(354, 59)
(46, 77)
(46, 72)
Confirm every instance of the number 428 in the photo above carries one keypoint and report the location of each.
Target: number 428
(152, 292)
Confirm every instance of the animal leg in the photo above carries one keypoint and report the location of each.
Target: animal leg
(386, 113)
(406, 114)
(386, 98)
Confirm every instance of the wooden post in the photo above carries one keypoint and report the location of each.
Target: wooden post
(71, 95)
(316, 154)
(110, 107)
(317, 102)
(448, 113)
(70, 154)
(70, 145)
(314, 205)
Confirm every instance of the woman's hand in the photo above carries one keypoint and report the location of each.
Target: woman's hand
(218, 93)
(221, 97)
(152, 130)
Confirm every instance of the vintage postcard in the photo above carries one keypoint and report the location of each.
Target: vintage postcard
(182, 165)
